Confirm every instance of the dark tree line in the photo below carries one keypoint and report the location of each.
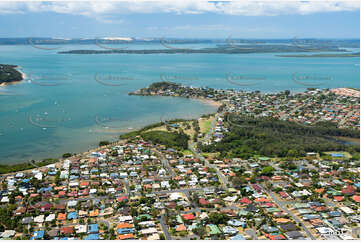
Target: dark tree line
(170, 139)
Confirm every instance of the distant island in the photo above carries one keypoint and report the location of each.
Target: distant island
(324, 55)
(221, 49)
(9, 74)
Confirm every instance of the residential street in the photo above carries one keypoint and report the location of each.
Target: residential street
(279, 203)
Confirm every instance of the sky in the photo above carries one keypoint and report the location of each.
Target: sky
(181, 18)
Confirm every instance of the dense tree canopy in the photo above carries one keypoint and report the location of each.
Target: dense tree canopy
(170, 139)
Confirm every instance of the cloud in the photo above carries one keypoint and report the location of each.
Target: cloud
(102, 10)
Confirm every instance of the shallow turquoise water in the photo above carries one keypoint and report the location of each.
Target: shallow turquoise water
(87, 100)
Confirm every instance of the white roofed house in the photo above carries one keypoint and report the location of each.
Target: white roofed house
(73, 184)
(128, 219)
(104, 175)
(348, 211)
(162, 172)
(149, 231)
(39, 219)
(80, 228)
(165, 184)
(50, 217)
(66, 164)
(5, 199)
(175, 196)
(110, 190)
(146, 224)
(133, 174)
(8, 233)
(19, 175)
(72, 203)
(123, 175)
(38, 176)
(64, 174)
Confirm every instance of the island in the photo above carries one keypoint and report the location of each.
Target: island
(9, 74)
(220, 49)
(324, 55)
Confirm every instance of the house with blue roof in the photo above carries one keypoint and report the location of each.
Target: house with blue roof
(73, 177)
(125, 231)
(45, 189)
(72, 215)
(93, 228)
(52, 173)
(114, 175)
(237, 237)
(94, 170)
(236, 223)
(38, 235)
(92, 237)
(229, 230)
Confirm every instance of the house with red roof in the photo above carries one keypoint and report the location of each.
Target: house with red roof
(349, 190)
(188, 216)
(245, 201)
(356, 198)
(67, 230)
(338, 198)
(284, 195)
(203, 202)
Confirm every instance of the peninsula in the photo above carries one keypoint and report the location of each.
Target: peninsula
(9, 74)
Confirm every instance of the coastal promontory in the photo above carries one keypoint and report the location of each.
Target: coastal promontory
(9, 74)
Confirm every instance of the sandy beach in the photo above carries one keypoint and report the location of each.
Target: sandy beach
(209, 102)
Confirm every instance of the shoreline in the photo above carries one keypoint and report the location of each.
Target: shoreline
(210, 102)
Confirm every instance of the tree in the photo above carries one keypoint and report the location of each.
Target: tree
(268, 170)
(66, 155)
(200, 231)
(104, 142)
(218, 218)
(239, 181)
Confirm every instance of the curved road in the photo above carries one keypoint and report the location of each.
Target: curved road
(200, 157)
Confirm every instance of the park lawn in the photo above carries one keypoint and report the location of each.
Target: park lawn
(210, 155)
(205, 124)
(160, 128)
(187, 152)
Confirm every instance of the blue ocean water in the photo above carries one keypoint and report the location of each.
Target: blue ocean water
(71, 102)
